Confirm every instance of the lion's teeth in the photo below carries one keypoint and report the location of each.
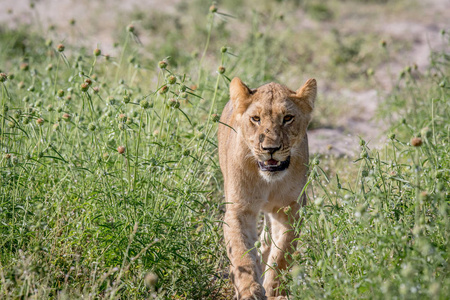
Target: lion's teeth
(278, 163)
(266, 162)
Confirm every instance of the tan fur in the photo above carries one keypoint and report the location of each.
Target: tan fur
(249, 190)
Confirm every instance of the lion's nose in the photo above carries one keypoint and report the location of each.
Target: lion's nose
(271, 150)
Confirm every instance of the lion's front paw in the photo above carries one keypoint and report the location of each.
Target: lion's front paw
(255, 292)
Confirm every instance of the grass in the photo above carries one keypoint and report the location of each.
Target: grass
(110, 186)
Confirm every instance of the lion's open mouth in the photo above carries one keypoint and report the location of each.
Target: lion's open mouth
(273, 165)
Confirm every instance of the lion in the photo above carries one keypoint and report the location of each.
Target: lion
(263, 154)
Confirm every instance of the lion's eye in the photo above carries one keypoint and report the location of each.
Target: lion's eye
(288, 119)
(256, 119)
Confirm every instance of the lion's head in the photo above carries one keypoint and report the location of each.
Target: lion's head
(273, 119)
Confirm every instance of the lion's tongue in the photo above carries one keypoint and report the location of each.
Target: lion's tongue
(272, 162)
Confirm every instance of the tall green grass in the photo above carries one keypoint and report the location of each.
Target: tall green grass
(383, 231)
(105, 180)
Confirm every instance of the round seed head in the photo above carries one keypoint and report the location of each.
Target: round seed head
(257, 244)
(24, 66)
(60, 48)
(144, 104)
(40, 121)
(315, 161)
(7, 156)
(392, 136)
(48, 42)
(171, 79)
(11, 124)
(416, 141)
(122, 116)
(84, 87)
(96, 89)
(50, 107)
(21, 85)
(91, 127)
(162, 64)
(424, 195)
(213, 8)
(66, 116)
(130, 28)
(3, 77)
(183, 95)
(174, 103)
(163, 90)
(186, 152)
(287, 210)
(97, 52)
(221, 70)
(111, 100)
(215, 118)
(60, 93)
(121, 149)
(364, 154)
(223, 49)
(126, 99)
(17, 114)
(383, 43)
(88, 81)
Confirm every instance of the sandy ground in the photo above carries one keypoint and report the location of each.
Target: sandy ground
(96, 20)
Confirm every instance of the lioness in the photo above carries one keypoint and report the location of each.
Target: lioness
(263, 158)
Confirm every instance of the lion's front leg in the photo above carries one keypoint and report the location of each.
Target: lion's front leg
(240, 236)
(283, 237)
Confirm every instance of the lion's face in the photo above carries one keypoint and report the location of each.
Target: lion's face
(273, 120)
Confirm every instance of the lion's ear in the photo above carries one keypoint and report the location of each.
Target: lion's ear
(239, 95)
(307, 94)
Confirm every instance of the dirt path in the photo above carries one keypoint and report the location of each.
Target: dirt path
(424, 35)
(95, 22)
